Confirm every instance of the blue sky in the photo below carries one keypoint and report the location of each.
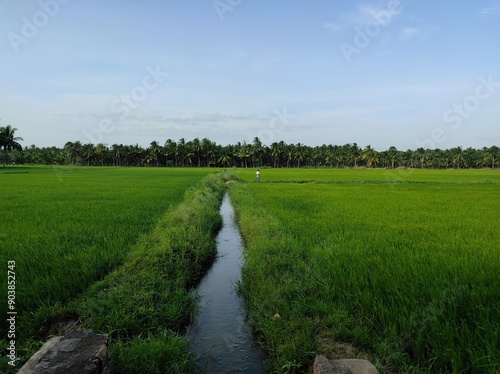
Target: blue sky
(407, 73)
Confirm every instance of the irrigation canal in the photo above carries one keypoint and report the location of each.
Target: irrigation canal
(221, 335)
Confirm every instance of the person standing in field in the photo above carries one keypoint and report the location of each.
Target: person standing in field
(257, 175)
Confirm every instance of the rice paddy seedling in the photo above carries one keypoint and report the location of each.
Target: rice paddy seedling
(405, 274)
(68, 228)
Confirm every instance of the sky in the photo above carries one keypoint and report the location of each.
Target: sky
(403, 73)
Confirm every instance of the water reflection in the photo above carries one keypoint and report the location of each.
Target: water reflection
(221, 335)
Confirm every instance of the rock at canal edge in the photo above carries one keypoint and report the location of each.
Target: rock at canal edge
(322, 365)
(78, 352)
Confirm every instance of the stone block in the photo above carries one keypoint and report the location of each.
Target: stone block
(322, 365)
(78, 352)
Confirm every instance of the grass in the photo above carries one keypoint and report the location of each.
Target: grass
(67, 228)
(146, 303)
(360, 175)
(400, 267)
(165, 352)
(404, 274)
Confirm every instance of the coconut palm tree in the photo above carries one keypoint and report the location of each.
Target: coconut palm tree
(300, 153)
(116, 153)
(196, 148)
(225, 159)
(356, 153)
(422, 155)
(8, 141)
(275, 154)
(370, 156)
(392, 152)
(494, 155)
(257, 150)
(74, 150)
(457, 157)
(209, 151)
(181, 150)
(101, 150)
(170, 150)
(243, 153)
(155, 150)
(88, 151)
(289, 153)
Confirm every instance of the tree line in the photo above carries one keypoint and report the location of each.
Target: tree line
(206, 153)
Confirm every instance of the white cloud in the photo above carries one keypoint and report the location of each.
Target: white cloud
(489, 11)
(333, 26)
(408, 33)
(363, 15)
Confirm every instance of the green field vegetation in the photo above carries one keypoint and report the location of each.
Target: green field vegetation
(400, 267)
(68, 227)
(360, 175)
(147, 303)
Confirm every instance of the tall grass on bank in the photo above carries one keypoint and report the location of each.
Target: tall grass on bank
(146, 303)
(68, 227)
(273, 270)
(407, 273)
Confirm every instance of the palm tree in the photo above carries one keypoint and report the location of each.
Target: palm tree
(243, 152)
(8, 141)
(225, 159)
(74, 150)
(300, 153)
(136, 154)
(392, 153)
(337, 154)
(88, 152)
(117, 151)
(356, 152)
(370, 156)
(275, 154)
(155, 150)
(494, 154)
(209, 151)
(181, 150)
(318, 155)
(257, 150)
(101, 150)
(422, 156)
(189, 157)
(289, 154)
(226, 156)
(457, 157)
(196, 149)
(170, 149)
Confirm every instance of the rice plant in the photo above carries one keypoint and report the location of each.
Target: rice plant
(405, 273)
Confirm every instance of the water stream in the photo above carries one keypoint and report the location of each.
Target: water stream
(221, 335)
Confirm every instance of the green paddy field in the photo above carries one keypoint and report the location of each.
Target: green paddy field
(68, 228)
(400, 267)
(397, 266)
